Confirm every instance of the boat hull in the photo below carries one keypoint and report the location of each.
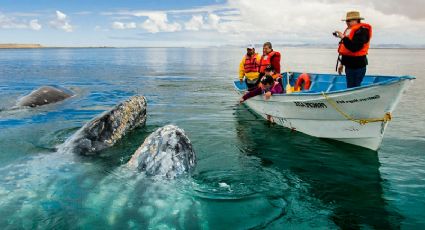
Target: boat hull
(328, 115)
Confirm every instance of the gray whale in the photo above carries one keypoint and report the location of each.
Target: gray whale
(166, 152)
(109, 127)
(42, 96)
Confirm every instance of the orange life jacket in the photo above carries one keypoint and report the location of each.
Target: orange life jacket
(304, 78)
(276, 76)
(265, 60)
(251, 64)
(346, 52)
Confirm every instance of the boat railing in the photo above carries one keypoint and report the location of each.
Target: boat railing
(333, 83)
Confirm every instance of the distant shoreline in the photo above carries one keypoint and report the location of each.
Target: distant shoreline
(38, 46)
(20, 46)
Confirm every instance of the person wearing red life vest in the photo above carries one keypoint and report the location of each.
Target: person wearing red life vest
(353, 48)
(270, 57)
(248, 68)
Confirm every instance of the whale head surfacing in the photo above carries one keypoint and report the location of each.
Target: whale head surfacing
(166, 152)
(105, 130)
(42, 96)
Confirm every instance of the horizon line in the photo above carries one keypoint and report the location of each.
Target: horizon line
(323, 45)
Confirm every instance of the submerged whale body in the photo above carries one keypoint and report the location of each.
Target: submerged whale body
(109, 127)
(43, 95)
(166, 152)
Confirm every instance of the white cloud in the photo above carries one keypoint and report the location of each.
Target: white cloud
(34, 25)
(83, 13)
(122, 25)
(158, 22)
(292, 21)
(131, 25)
(60, 16)
(194, 11)
(195, 23)
(7, 22)
(61, 22)
(413, 9)
(24, 14)
(118, 25)
(288, 21)
(213, 20)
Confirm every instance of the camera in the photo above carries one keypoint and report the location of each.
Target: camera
(335, 34)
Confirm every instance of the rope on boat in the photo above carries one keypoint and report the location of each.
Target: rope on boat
(386, 118)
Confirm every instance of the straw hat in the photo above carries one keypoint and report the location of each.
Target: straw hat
(352, 15)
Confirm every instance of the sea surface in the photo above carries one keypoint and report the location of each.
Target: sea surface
(250, 174)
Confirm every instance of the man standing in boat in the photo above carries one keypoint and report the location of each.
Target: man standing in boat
(270, 57)
(353, 48)
(248, 68)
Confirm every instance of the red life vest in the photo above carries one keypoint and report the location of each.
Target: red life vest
(265, 60)
(251, 64)
(346, 52)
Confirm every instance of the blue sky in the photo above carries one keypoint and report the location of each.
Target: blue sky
(203, 23)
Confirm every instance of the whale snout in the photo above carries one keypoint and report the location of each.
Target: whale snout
(166, 152)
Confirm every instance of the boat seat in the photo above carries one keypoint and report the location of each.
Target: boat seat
(339, 83)
(368, 80)
(338, 86)
(322, 83)
(319, 86)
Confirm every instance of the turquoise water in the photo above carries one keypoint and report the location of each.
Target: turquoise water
(250, 174)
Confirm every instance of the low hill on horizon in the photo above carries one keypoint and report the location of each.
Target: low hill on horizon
(19, 46)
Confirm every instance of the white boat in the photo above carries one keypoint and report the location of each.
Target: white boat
(328, 109)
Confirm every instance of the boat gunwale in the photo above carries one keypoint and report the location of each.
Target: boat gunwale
(391, 80)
